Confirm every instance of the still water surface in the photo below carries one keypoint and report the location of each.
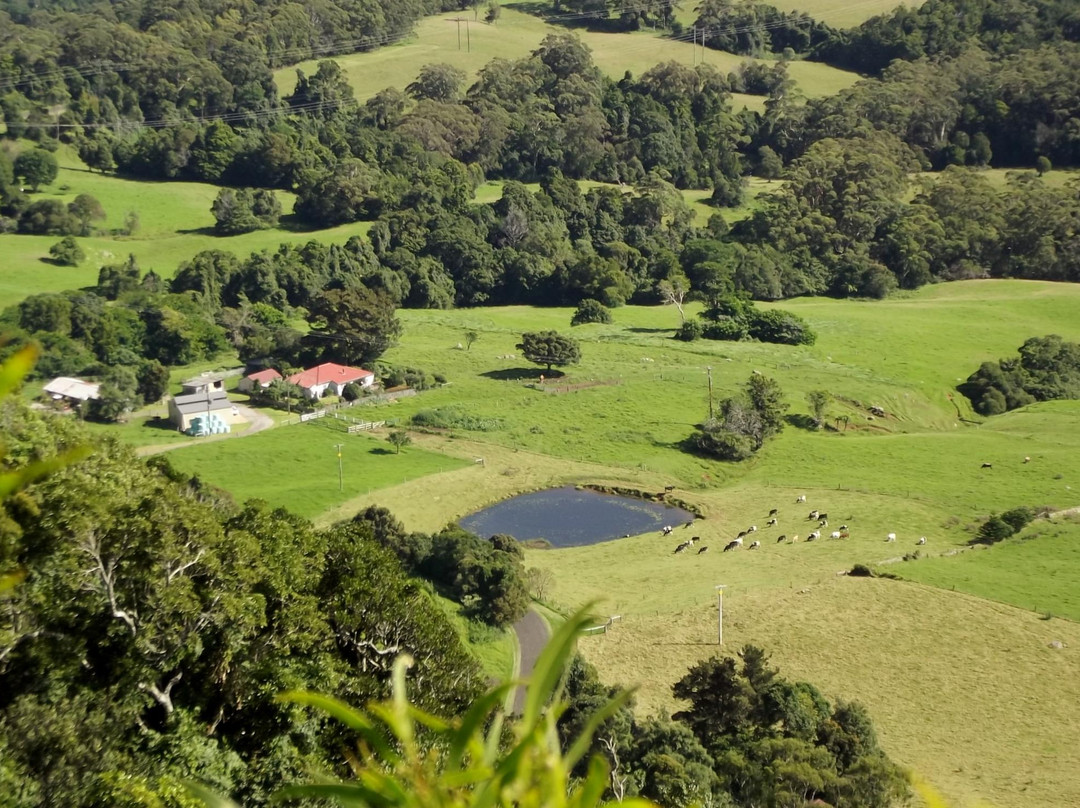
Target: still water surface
(567, 517)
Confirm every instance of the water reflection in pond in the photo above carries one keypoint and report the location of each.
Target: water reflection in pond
(569, 517)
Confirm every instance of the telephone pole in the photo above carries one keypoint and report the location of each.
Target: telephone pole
(468, 37)
(720, 612)
(709, 371)
(340, 482)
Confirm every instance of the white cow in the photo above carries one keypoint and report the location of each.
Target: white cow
(891, 537)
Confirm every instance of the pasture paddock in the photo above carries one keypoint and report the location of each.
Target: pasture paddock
(515, 35)
(938, 669)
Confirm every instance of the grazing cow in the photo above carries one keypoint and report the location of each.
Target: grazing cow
(690, 542)
(667, 530)
(891, 537)
(823, 523)
(800, 498)
(681, 547)
(741, 534)
(754, 545)
(782, 537)
(815, 535)
(695, 538)
(1027, 459)
(987, 465)
(844, 534)
(823, 516)
(770, 523)
(774, 512)
(922, 540)
(843, 527)
(688, 524)
(752, 529)
(704, 549)
(669, 488)
(813, 515)
(626, 535)
(731, 545)
(835, 534)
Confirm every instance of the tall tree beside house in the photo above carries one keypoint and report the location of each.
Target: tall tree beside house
(353, 326)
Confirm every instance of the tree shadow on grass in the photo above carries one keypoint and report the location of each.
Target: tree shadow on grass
(521, 374)
(801, 421)
(201, 231)
(379, 450)
(639, 330)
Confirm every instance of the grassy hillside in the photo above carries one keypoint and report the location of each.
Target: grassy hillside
(837, 13)
(296, 466)
(517, 33)
(926, 660)
(1036, 570)
(175, 223)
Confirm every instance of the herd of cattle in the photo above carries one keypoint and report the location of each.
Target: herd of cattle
(820, 517)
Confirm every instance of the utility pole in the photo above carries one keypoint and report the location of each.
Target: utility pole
(709, 370)
(720, 612)
(693, 33)
(339, 477)
(468, 36)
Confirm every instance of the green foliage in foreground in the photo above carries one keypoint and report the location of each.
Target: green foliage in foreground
(156, 621)
(395, 764)
(1048, 368)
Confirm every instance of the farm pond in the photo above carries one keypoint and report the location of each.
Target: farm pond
(572, 517)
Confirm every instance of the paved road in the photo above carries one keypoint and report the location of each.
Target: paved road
(532, 634)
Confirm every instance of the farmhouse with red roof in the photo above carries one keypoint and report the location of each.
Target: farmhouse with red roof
(263, 379)
(330, 376)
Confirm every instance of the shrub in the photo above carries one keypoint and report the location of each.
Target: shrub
(352, 392)
(690, 331)
(67, 252)
(590, 311)
(993, 530)
(781, 327)
(1018, 518)
(727, 328)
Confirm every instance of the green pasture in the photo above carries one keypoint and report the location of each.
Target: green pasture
(837, 13)
(515, 35)
(295, 467)
(1037, 569)
(175, 223)
(925, 659)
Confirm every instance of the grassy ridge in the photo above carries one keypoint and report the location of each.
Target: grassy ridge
(837, 13)
(517, 33)
(295, 467)
(1036, 570)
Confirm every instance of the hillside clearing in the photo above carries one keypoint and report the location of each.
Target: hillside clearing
(516, 34)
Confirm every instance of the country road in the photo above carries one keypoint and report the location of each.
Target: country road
(532, 634)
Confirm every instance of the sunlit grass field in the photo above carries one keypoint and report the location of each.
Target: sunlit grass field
(515, 35)
(1039, 569)
(937, 668)
(296, 467)
(175, 224)
(837, 13)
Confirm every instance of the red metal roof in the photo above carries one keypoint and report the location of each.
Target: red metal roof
(329, 372)
(267, 375)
